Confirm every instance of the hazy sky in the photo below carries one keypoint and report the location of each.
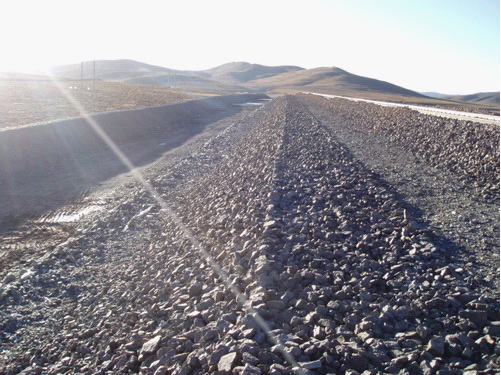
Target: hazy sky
(448, 46)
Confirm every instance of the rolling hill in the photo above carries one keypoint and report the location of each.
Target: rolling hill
(433, 94)
(109, 70)
(331, 81)
(485, 98)
(226, 78)
(188, 82)
(131, 71)
(241, 72)
(245, 77)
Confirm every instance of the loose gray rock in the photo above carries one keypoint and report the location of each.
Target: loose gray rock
(436, 346)
(227, 362)
(195, 289)
(358, 362)
(251, 370)
(151, 346)
(312, 365)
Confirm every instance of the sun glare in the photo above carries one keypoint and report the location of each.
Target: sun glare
(169, 213)
(24, 64)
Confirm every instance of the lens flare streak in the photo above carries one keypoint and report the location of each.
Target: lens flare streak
(188, 233)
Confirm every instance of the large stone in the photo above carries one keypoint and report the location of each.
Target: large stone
(358, 362)
(251, 370)
(227, 362)
(492, 329)
(479, 318)
(249, 322)
(10, 277)
(436, 346)
(215, 357)
(312, 365)
(275, 304)
(195, 289)
(423, 331)
(151, 346)
(250, 359)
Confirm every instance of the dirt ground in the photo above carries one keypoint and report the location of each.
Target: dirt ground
(30, 101)
(47, 165)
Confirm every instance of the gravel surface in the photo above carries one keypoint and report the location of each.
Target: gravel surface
(463, 209)
(322, 268)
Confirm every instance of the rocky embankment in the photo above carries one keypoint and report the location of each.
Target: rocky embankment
(468, 149)
(396, 143)
(308, 264)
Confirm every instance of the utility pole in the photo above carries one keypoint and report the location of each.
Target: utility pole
(81, 75)
(94, 76)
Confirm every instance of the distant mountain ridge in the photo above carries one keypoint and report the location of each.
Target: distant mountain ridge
(240, 72)
(332, 81)
(108, 69)
(243, 76)
(487, 98)
(188, 81)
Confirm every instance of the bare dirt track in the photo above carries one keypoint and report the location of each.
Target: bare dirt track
(300, 212)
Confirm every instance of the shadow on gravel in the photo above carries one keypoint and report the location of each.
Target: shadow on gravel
(450, 250)
(47, 165)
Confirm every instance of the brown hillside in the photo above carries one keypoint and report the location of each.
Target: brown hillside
(188, 82)
(486, 98)
(331, 81)
(108, 69)
(240, 72)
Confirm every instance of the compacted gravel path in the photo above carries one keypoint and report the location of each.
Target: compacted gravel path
(306, 261)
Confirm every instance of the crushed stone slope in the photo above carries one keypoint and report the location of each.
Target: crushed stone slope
(322, 250)
(446, 171)
(468, 149)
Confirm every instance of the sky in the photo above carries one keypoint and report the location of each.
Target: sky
(445, 46)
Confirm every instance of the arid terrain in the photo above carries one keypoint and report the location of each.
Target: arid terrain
(32, 101)
(299, 235)
(51, 163)
(238, 77)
